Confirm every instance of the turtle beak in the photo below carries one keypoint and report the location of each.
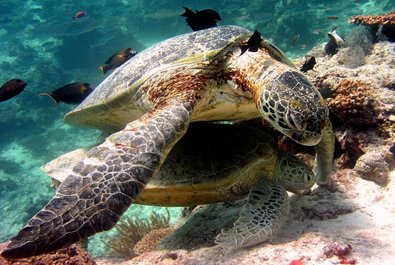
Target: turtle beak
(306, 138)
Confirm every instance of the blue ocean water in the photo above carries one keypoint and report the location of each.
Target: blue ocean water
(41, 44)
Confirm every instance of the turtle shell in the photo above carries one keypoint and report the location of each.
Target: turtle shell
(115, 102)
(211, 163)
(120, 98)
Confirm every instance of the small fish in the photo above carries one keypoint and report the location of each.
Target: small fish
(308, 64)
(295, 39)
(79, 14)
(204, 19)
(73, 93)
(253, 43)
(11, 88)
(317, 31)
(335, 41)
(243, 18)
(117, 59)
(332, 17)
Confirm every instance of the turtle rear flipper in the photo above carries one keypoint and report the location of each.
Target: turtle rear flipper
(266, 210)
(104, 184)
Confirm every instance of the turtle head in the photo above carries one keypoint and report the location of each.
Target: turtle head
(294, 107)
(293, 174)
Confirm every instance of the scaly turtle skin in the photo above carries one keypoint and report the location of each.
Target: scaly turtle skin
(148, 103)
(204, 168)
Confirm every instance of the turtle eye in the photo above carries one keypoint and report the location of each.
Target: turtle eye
(307, 178)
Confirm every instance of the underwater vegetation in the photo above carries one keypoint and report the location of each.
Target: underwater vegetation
(136, 236)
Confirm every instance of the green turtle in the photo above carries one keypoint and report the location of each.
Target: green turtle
(147, 104)
(203, 168)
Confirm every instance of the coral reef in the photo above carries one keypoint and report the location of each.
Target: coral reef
(359, 96)
(382, 26)
(73, 255)
(383, 19)
(362, 103)
(130, 232)
(351, 103)
(361, 99)
(151, 240)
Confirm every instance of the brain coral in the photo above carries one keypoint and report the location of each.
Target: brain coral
(351, 103)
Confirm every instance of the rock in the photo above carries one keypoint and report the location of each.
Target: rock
(375, 166)
(73, 255)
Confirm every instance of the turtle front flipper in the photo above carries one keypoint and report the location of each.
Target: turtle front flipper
(266, 210)
(104, 184)
(324, 155)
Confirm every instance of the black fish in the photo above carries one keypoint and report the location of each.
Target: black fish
(117, 59)
(11, 88)
(308, 64)
(73, 93)
(335, 41)
(253, 43)
(204, 19)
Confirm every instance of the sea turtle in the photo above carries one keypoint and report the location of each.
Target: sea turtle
(148, 103)
(203, 168)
